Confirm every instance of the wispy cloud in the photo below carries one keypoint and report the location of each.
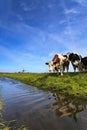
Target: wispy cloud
(9, 54)
(71, 11)
(81, 2)
(62, 21)
(23, 59)
(25, 31)
(19, 17)
(28, 7)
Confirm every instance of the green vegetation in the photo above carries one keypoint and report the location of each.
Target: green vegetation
(70, 84)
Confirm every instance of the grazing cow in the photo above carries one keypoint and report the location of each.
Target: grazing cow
(57, 63)
(83, 64)
(75, 60)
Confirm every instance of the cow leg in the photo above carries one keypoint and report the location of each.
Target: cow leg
(67, 68)
(74, 68)
(61, 70)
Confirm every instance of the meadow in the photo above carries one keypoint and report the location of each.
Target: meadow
(70, 84)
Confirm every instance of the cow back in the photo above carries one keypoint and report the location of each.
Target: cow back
(56, 59)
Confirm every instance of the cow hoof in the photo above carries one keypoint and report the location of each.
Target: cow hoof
(60, 73)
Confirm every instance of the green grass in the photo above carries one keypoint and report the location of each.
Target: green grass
(70, 84)
(0, 105)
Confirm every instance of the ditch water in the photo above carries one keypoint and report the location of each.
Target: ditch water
(38, 110)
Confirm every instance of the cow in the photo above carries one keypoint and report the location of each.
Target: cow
(66, 63)
(75, 59)
(83, 64)
(57, 63)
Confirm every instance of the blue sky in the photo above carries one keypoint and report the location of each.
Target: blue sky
(32, 31)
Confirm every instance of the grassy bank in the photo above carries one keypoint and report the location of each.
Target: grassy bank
(71, 84)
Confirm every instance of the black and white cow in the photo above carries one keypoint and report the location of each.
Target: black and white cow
(75, 59)
(83, 64)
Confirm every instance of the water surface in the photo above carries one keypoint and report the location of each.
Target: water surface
(38, 110)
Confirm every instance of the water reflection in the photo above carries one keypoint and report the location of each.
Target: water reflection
(0, 100)
(67, 107)
(8, 124)
(1, 107)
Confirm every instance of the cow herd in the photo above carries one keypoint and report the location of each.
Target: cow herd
(61, 62)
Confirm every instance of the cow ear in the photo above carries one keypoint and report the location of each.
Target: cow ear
(47, 63)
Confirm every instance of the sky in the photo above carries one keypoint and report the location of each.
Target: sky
(33, 31)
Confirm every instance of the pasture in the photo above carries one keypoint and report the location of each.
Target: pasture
(70, 84)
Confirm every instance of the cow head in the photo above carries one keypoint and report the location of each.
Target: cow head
(51, 65)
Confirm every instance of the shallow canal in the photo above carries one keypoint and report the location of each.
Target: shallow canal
(26, 106)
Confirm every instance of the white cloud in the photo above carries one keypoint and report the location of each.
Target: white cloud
(82, 2)
(70, 32)
(51, 5)
(71, 11)
(60, 40)
(6, 52)
(28, 7)
(21, 59)
(20, 17)
(52, 53)
(62, 21)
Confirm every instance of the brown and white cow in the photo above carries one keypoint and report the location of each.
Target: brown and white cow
(57, 63)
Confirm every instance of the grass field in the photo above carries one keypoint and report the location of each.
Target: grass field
(70, 84)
